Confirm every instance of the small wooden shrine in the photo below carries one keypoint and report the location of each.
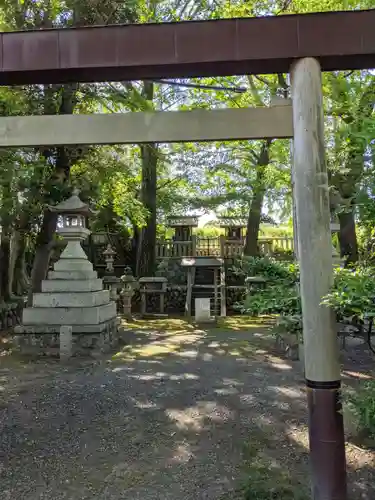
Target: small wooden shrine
(234, 227)
(183, 226)
(205, 280)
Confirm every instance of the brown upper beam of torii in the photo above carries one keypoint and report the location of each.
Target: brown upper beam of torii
(339, 40)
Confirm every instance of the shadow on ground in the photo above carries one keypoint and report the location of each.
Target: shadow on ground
(178, 412)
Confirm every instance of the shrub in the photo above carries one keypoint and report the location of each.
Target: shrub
(267, 267)
(289, 324)
(362, 405)
(263, 487)
(353, 293)
(172, 270)
(275, 299)
(283, 254)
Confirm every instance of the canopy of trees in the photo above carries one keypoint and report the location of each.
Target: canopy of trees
(136, 187)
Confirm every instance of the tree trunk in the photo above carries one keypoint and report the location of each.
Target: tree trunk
(44, 244)
(19, 281)
(255, 212)
(146, 258)
(348, 237)
(60, 176)
(4, 262)
(253, 221)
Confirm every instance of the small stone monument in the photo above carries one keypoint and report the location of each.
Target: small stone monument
(72, 296)
(111, 282)
(66, 342)
(127, 292)
(203, 310)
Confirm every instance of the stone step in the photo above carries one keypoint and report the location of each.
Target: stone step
(71, 299)
(69, 315)
(73, 265)
(55, 329)
(72, 275)
(90, 285)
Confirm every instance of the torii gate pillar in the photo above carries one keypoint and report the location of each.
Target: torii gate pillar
(322, 368)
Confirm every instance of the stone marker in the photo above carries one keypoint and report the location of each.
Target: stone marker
(202, 310)
(66, 341)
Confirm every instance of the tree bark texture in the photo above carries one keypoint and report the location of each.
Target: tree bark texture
(146, 251)
(348, 237)
(256, 205)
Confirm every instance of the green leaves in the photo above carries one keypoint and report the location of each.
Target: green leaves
(274, 299)
(353, 293)
(361, 404)
(266, 267)
(280, 293)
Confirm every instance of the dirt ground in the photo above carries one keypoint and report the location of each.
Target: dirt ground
(178, 413)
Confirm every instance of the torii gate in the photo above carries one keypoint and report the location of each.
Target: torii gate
(300, 44)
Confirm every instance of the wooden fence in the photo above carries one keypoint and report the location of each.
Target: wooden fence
(170, 249)
(202, 247)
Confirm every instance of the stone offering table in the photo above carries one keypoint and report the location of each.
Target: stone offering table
(155, 286)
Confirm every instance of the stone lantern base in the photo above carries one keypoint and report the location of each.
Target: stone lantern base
(71, 296)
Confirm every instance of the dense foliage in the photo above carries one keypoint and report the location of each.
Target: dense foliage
(361, 403)
(136, 187)
(267, 267)
(353, 293)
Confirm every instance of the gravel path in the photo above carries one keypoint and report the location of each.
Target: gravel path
(168, 418)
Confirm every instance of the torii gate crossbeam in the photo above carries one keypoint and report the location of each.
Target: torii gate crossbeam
(339, 40)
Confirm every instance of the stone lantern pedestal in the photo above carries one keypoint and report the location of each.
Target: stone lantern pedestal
(71, 296)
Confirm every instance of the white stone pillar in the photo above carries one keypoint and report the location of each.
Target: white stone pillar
(322, 368)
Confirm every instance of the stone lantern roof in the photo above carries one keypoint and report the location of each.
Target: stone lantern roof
(72, 206)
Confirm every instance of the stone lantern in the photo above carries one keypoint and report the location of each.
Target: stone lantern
(111, 282)
(127, 292)
(109, 258)
(71, 226)
(72, 314)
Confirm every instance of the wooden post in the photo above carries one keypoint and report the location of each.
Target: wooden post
(189, 292)
(322, 368)
(222, 246)
(223, 301)
(143, 301)
(193, 245)
(216, 291)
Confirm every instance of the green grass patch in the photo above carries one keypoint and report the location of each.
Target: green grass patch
(267, 478)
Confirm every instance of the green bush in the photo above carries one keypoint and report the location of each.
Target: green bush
(362, 405)
(274, 299)
(267, 482)
(280, 294)
(353, 293)
(268, 230)
(283, 254)
(267, 267)
(172, 270)
(289, 324)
